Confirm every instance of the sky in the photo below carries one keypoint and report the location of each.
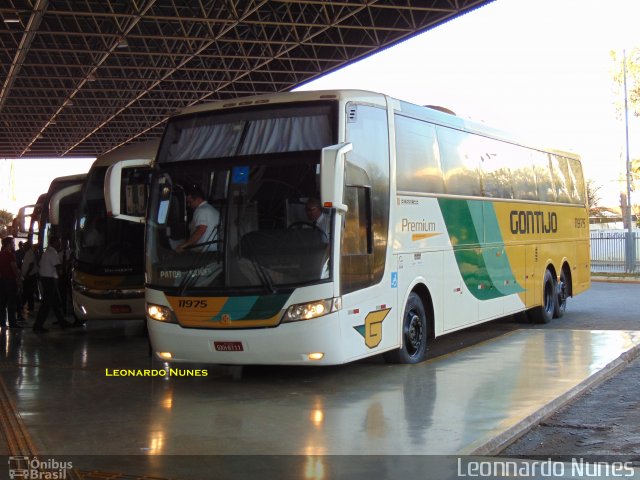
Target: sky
(31, 177)
(538, 68)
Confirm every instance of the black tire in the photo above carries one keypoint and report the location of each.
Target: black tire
(562, 290)
(78, 322)
(544, 313)
(414, 334)
(146, 334)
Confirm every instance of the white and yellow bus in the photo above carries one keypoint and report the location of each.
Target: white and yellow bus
(435, 224)
(108, 272)
(53, 212)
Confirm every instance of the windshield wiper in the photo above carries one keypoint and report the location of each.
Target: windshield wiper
(261, 272)
(191, 279)
(263, 275)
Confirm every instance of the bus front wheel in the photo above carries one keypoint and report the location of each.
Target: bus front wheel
(544, 313)
(414, 333)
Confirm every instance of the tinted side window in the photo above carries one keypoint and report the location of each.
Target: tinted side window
(523, 175)
(495, 159)
(542, 170)
(459, 162)
(357, 232)
(561, 178)
(578, 195)
(418, 166)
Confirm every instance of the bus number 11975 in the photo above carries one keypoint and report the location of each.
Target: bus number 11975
(192, 303)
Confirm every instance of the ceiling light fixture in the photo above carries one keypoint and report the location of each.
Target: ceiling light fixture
(11, 18)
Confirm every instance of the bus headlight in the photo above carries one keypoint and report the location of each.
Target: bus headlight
(161, 313)
(307, 311)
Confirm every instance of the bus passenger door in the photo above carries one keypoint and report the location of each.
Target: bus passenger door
(367, 285)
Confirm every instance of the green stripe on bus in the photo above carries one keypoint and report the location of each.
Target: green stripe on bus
(496, 257)
(252, 307)
(267, 306)
(485, 269)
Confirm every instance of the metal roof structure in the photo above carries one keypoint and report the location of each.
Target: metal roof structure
(81, 77)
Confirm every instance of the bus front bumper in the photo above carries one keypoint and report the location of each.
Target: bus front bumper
(295, 343)
(108, 307)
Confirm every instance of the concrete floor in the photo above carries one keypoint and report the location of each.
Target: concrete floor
(63, 401)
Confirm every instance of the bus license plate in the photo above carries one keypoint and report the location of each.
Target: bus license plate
(228, 346)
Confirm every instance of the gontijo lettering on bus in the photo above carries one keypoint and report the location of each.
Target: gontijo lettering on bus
(533, 221)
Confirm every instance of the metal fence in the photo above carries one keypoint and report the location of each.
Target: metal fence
(612, 252)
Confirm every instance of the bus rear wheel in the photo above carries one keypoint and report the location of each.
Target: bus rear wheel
(414, 334)
(561, 300)
(544, 313)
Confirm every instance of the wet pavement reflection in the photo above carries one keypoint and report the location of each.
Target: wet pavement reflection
(64, 387)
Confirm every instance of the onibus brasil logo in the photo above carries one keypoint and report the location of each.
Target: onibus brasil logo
(24, 467)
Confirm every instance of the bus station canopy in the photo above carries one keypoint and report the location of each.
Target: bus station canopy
(81, 77)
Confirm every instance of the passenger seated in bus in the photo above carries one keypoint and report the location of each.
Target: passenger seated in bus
(203, 229)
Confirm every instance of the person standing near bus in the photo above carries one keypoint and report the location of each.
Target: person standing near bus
(10, 283)
(30, 276)
(50, 268)
(20, 252)
(64, 280)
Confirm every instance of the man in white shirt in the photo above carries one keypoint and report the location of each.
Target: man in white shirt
(49, 272)
(317, 217)
(30, 275)
(203, 229)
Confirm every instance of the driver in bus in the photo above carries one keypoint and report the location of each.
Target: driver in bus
(316, 216)
(203, 233)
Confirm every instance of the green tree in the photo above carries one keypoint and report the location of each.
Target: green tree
(635, 173)
(633, 80)
(6, 218)
(593, 197)
(635, 186)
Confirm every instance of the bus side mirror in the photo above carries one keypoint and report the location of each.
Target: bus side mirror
(57, 198)
(332, 175)
(117, 189)
(24, 218)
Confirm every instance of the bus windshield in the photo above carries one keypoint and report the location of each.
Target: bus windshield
(260, 170)
(105, 245)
